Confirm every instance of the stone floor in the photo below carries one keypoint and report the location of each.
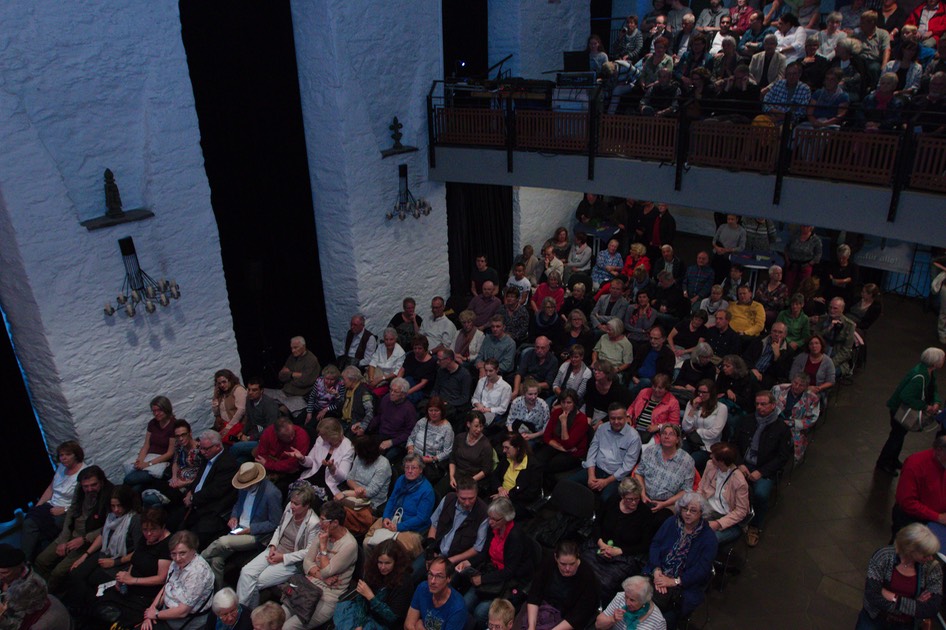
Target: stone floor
(808, 571)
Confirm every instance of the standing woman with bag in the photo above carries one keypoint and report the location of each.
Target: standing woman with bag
(916, 394)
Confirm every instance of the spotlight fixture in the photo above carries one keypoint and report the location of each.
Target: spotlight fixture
(139, 287)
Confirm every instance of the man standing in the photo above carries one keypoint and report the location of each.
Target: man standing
(540, 364)
(438, 329)
(297, 375)
(613, 453)
(435, 604)
(497, 345)
(698, 281)
(766, 444)
(360, 345)
(213, 496)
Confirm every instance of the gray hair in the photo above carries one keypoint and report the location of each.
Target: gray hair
(844, 249)
(630, 485)
(803, 378)
(503, 508)
(770, 38)
(304, 493)
(728, 38)
(359, 316)
(389, 331)
(812, 39)
(641, 586)
(932, 357)
(224, 598)
(353, 373)
(616, 326)
(211, 436)
(775, 268)
(665, 275)
(703, 349)
(412, 458)
(298, 339)
(401, 384)
(549, 300)
(693, 498)
(916, 539)
(553, 275)
(835, 16)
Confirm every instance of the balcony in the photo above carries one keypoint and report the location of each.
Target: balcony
(885, 183)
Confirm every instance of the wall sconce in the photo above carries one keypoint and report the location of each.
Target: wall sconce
(406, 204)
(139, 286)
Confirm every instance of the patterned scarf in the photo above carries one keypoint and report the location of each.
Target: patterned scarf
(675, 561)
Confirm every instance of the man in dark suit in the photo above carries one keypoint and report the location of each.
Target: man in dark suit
(210, 502)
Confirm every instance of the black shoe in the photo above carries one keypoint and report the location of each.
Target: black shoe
(887, 469)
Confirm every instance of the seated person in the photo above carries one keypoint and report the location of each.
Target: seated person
(157, 449)
(326, 466)
(439, 329)
(519, 281)
(383, 595)
(227, 612)
(612, 305)
(573, 374)
(614, 348)
(357, 406)
(721, 338)
(469, 338)
(472, 455)
(565, 440)
(432, 439)
(189, 588)
(268, 616)
(360, 345)
(920, 493)
(668, 299)
(552, 288)
(787, 97)
(481, 274)
(735, 387)
(867, 310)
(228, 405)
(44, 520)
(769, 358)
(528, 414)
(608, 265)
(435, 604)
(485, 305)
(457, 528)
(546, 322)
(636, 598)
(515, 315)
(817, 365)
(454, 384)
(665, 473)
(882, 109)
(253, 520)
(505, 562)
(563, 589)
(492, 395)
(622, 538)
(695, 369)
(407, 323)
(274, 450)
(838, 332)
(854, 79)
(748, 316)
(767, 444)
(726, 491)
(662, 98)
(799, 408)
(369, 478)
(640, 318)
(28, 604)
(385, 363)
(410, 504)
(497, 345)
(297, 376)
(579, 257)
(768, 65)
(796, 322)
(652, 359)
(603, 392)
(703, 423)
(394, 421)
(261, 411)
(654, 407)
(685, 336)
(329, 564)
(208, 505)
(327, 394)
(612, 455)
(579, 301)
(772, 295)
(674, 574)
(713, 304)
(539, 365)
(518, 475)
(698, 280)
(419, 370)
(82, 525)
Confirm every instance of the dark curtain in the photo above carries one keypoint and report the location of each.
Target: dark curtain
(241, 57)
(479, 221)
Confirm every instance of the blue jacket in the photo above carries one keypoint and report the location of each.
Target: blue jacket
(697, 568)
(417, 504)
(267, 511)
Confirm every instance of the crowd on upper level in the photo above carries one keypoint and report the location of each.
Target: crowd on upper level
(405, 483)
(866, 65)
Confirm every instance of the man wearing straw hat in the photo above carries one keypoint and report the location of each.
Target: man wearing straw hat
(253, 520)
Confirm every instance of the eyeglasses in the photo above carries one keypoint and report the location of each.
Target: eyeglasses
(690, 510)
(184, 434)
(436, 576)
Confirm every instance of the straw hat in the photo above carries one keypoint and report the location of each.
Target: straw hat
(249, 474)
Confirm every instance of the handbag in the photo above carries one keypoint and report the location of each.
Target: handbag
(378, 534)
(301, 596)
(915, 420)
(358, 520)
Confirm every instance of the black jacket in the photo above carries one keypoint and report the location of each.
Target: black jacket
(775, 445)
(528, 483)
(517, 557)
(217, 496)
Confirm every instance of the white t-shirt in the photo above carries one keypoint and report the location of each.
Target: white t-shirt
(64, 487)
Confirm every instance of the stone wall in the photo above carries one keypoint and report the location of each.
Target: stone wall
(84, 87)
(536, 33)
(539, 212)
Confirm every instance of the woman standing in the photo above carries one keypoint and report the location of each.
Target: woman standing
(384, 595)
(801, 256)
(904, 582)
(773, 295)
(842, 276)
(229, 406)
(916, 392)
(158, 447)
(703, 422)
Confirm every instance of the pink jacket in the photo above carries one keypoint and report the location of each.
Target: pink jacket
(667, 410)
(735, 492)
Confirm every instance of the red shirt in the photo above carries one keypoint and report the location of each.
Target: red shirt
(921, 491)
(278, 460)
(577, 434)
(498, 544)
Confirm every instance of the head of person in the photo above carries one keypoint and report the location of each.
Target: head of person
(357, 323)
(480, 261)
(870, 291)
(489, 289)
(629, 492)
(932, 358)
(661, 44)
(436, 410)
(31, 596)
(419, 345)
(225, 381)
(389, 338)
(702, 259)
(398, 390)
(844, 49)
(519, 271)
(722, 320)
(497, 326)
(734, 366)
(437, 306)
(643, 296)
(787, 22)
(779, 332)
(723, 455)
(183, 546)
(439, 574)
(500, 513)
(744, 295)
(660, 386)
(413, 467)
(691, 508)
(466, 493)
(530, 391)
(816, 345)
(124, 500)
(475, 423)
(702, 352)
(569, 402)
(567, 558)
(800, 383)
(502, 614)
(775, 273)
(491, 369)
(613, 245)
(916, 543)
(12, 563)
(603, 370)
(153, 525)
(769, 44)
(511, 298)
(91, 480)
(330, 374)
(671, 436)
(254, 388)
(638, 592)
(69, 453)
(868, 21)
(578, 293)
(594, 44)
(226, 606)
(616, 289)
(446, 359)
(210, 444)
(332, 518)
(297, 346)
(797, 304)
(716, 293)
(887, 83)
(615, 328)
(268, 616)
(617, 416)
(161, 409)
(516, 447)
(764, 403)
(543, 344)
(549, 308)
(386, 564)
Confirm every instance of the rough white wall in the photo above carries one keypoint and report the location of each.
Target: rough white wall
(539, 212)
(361, 64)
(84, 87)
(537, 33)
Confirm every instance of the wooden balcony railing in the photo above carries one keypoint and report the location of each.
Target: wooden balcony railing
(850, 156)
(929, 165)
(479, 127)
(736, 147)
(552, 131)
(637, 137)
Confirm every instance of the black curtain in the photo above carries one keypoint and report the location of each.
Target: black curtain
(242, 62)
(479, 221)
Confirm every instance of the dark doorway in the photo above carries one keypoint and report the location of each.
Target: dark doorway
(479, 221)
(242, 63)
(26, 465)
(601, 21)
(465, 38)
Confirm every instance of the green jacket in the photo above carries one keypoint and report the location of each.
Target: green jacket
(916, 390)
